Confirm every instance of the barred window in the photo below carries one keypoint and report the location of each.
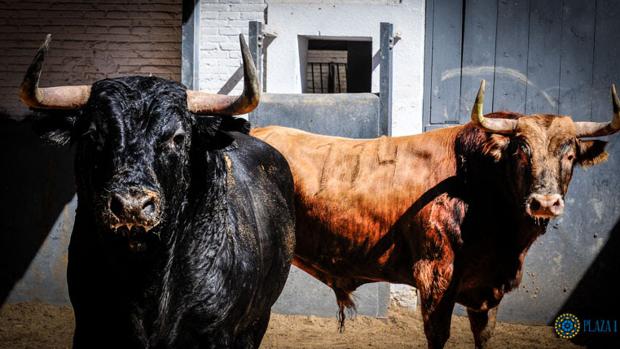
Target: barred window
(337, 66)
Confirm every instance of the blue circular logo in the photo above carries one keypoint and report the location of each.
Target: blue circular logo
(567, 326)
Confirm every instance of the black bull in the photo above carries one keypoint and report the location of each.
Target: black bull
(183, 235)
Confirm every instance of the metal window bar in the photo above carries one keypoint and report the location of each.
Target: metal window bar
(326, 77)
(321, 75)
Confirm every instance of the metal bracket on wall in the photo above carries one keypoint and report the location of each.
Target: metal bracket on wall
(259, 38)
(256, 38)
(387, 41)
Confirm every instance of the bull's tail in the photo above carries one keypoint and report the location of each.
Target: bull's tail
(345, 305)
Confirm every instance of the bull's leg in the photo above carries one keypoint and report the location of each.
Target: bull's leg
(437, 297)
(260, 329)
(482, 324)
(437, 319)
(251, 337)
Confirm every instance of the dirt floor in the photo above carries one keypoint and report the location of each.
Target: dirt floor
(35, 325)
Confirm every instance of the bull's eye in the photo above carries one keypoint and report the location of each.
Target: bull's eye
(525, 149)
(570, 157)
(93, 136)
(522, 152)
(90, 132)
(178, 139)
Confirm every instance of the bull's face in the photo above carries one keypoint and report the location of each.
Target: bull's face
(540, 157)
(540, 151)
(134, 140)
(133, 137)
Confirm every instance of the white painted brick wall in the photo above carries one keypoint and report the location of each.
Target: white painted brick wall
(221, 23)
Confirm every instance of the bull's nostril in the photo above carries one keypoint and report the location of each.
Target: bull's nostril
(557, 203)
(148, 207)
(535, 205)
(116, 206)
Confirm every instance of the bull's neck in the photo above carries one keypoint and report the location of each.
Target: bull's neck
(199, 242)
(498, 214)
(206, 211)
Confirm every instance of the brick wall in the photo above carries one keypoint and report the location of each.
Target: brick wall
(221, 23)
(91, 40)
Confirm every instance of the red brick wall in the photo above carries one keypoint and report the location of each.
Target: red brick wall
(91, 40)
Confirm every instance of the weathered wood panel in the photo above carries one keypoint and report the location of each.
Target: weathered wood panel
(447, 28)
(478, 53)
(511, 55)
(543, 68)
(606, 57)
(577, 57)
(554, 56)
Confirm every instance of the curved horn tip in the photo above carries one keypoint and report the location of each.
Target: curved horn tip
(59, 97)
(29, 88)
(481, 90)
(614, 98)
(477, 111)
(246, 55)
(45, 45)
(204, 103)
(615, 121)
(48, 39)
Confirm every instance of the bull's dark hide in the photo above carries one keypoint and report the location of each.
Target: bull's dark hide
(207, 275)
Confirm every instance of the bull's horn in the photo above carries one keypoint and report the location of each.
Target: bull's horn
(505, 126)
(59, 97)
(597, 129)
(215, 104)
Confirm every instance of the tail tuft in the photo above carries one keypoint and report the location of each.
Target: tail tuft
(343, 298)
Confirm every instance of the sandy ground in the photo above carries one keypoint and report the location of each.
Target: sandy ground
(35, 325)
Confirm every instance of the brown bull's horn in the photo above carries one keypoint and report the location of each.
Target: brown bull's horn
(215, 104)
(59, 97)
(597, 129)
(505, 126)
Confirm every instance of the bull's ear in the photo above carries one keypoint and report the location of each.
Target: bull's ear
(55, 127)
(591, 153)
(207, 126)
(495, 145)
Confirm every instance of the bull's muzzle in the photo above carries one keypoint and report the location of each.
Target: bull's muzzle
(545, 206)
(134, 208)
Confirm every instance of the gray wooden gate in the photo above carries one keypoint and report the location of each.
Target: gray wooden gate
(552, 56)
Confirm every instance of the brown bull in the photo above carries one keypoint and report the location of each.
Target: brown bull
(452, 212)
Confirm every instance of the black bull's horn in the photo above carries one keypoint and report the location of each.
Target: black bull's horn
(75, 97)
(508, 126)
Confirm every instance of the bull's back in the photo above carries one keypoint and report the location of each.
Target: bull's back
(352, 192)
